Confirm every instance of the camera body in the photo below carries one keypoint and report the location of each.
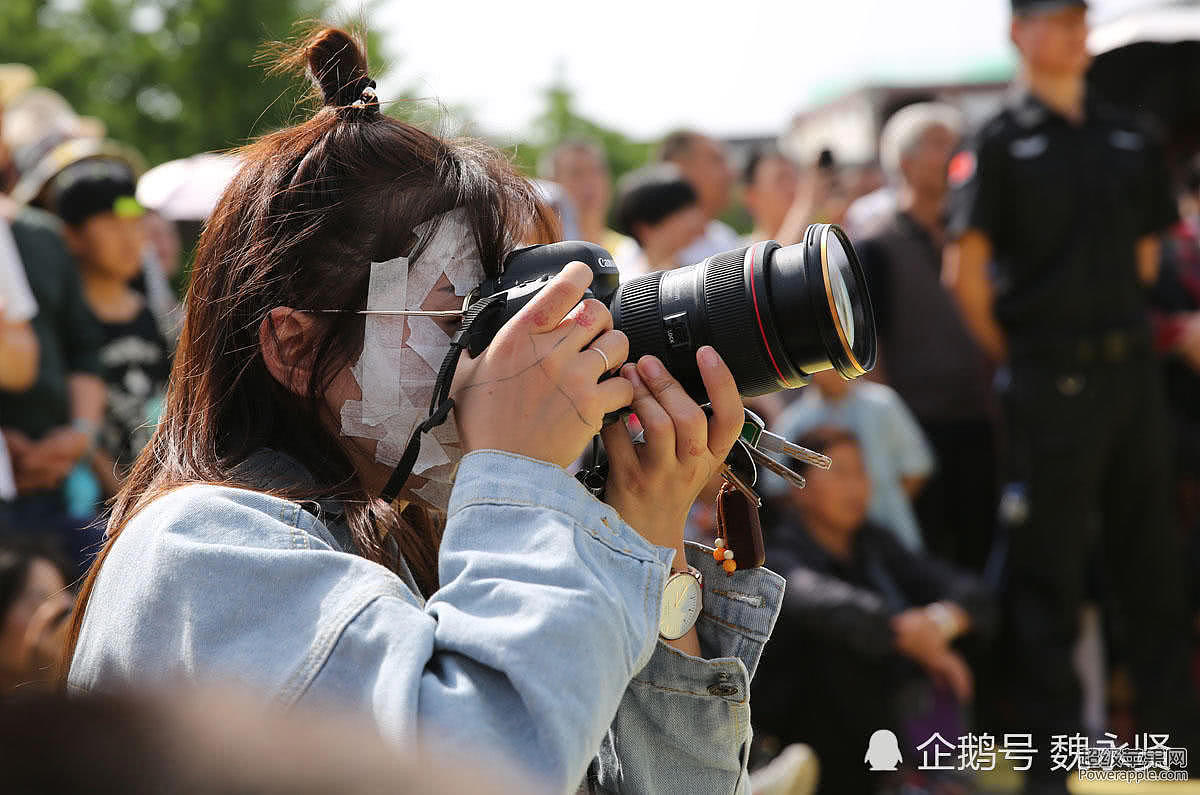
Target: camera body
(527, 270)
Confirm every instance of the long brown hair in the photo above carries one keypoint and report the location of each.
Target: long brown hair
(311, 208)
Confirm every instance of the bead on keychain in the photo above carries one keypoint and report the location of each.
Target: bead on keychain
(725, 556)
(721, 551)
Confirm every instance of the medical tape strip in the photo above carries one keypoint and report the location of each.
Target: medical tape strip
(397, 370)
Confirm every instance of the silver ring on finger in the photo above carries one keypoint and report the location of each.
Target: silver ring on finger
(604, 356)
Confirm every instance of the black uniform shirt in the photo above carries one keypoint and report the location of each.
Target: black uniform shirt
(1063, 206)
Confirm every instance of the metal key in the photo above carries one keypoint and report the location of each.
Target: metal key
(773, 443)
(765, 441)
(764, 460)
(755, 434)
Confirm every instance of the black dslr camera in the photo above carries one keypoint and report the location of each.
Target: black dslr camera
(776, 314)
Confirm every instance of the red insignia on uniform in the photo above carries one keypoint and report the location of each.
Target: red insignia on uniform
(962, 167)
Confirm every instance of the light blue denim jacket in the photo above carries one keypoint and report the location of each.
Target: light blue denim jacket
(541, 642)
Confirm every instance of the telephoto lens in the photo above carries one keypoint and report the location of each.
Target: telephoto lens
(776, 314)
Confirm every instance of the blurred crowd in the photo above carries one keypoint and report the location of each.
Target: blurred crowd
(87, 320)
(885, 553)
(895, 557)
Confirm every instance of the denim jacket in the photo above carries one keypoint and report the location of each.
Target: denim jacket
(541, 643)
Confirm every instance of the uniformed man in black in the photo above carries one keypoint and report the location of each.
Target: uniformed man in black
(1055, 211)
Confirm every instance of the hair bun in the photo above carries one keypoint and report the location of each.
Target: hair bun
(337, 65)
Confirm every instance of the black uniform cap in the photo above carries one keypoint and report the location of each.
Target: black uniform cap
(1038, 6)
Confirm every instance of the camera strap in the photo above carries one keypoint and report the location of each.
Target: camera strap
(479, 325)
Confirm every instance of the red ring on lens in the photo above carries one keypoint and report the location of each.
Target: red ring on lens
(758, 316)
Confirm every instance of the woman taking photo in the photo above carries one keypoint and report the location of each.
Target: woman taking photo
(503, 609)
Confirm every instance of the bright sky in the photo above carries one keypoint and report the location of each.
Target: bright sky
(741, 67)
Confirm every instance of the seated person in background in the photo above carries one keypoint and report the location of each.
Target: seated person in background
(898, 457)
(864, 639)
(661, 211)
(34, 605)
(95, 199)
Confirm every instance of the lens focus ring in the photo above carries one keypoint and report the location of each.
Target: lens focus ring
(731, 324)
(635, 312)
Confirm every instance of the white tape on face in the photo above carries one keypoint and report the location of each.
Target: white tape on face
(428, 340)
(398, 368)
(453, 246)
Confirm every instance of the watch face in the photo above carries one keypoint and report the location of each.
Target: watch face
(680, 606)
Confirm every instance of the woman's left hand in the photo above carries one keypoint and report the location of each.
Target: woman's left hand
(654, 485)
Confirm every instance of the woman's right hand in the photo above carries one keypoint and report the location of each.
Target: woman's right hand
(534, 389)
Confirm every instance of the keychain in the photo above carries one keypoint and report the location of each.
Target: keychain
(739, 541)
(739, 532)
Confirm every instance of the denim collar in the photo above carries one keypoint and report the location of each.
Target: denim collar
(268, 469)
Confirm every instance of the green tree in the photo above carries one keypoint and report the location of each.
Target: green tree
(170, 77)
(560, 121)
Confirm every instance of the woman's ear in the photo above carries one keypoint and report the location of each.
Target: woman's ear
(287, 338)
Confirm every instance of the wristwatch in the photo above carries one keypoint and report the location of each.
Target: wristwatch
(681, 603)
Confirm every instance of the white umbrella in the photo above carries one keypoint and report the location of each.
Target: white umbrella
(187, 189)
(1162, 23)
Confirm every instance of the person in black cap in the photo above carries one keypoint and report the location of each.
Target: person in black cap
(1055, 211)
(103, 224)
(660, 210)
